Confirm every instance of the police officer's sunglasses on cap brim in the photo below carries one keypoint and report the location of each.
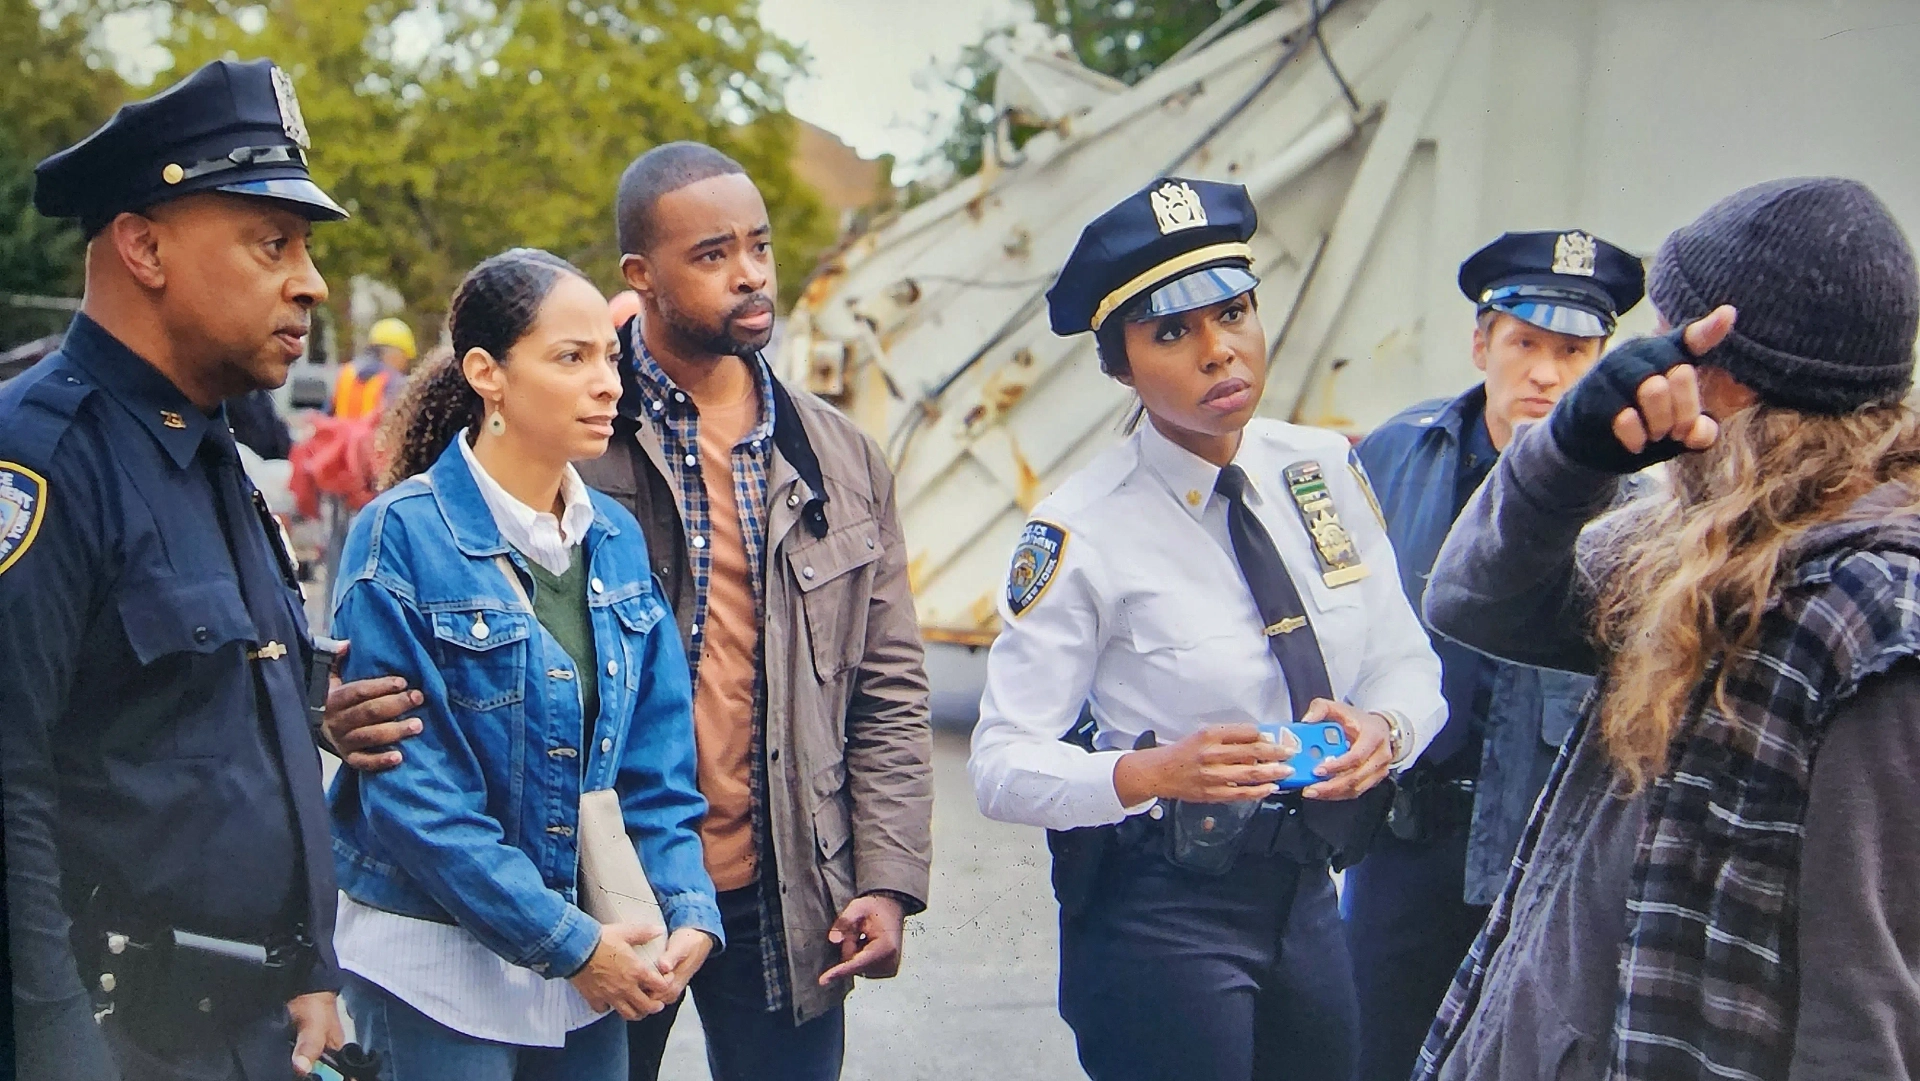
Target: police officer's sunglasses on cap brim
(1558, 310)
(1198, 289)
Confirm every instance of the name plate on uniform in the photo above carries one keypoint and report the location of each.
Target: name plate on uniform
(1333, 546)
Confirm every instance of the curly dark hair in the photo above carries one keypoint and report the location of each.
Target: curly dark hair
(495, 306)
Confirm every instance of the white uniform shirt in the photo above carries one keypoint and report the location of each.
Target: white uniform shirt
(1146, 618)
(440, 969)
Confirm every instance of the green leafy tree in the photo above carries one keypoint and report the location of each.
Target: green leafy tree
(1127, 39)
(454, 129)
(52, 92)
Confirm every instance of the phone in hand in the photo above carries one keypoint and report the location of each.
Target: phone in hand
(1319, 741)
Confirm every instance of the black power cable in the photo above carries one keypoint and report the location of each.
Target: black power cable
(1326, 55)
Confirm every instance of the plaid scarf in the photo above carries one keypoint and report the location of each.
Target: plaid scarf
(1709, 974)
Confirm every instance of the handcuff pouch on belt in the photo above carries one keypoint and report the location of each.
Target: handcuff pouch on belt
(1206, 838)
(1427, 808)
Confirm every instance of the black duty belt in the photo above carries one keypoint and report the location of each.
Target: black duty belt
(1208, 838)
(148, 971)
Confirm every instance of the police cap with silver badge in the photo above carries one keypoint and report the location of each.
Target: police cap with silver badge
(1570, 283)
(230, 126)
(1181, 243)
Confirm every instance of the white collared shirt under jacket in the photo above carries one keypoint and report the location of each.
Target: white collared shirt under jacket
(1146, 618)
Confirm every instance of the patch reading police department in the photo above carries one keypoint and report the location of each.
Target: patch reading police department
(1036, 559)
(23, 503)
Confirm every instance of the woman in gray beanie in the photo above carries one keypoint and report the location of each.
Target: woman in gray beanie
(1717, 881)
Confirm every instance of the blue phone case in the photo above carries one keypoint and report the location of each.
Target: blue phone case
(1318, 742)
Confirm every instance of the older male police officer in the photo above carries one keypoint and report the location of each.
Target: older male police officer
(167, 846)
(1546, 304)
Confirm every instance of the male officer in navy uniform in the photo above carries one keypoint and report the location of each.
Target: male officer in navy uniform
(1547, 302)
(168, 855)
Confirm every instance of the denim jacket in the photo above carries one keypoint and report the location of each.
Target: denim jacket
(476, 826)
(1412, 460)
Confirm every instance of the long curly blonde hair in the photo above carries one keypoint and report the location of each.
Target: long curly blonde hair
(1692, 571)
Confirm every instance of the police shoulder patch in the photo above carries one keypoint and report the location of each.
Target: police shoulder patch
(23, 503)
(1036, 559)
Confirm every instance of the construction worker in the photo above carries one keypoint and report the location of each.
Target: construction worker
(375, 380)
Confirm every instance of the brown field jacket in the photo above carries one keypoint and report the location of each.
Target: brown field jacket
(848, 741)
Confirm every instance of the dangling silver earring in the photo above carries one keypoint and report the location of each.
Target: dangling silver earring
(496, 423)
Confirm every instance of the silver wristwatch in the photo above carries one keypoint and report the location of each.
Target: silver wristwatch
(1399, 737)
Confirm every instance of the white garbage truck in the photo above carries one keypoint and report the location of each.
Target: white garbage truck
(1383, 141)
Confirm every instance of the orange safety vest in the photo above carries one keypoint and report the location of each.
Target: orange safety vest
(355, 397)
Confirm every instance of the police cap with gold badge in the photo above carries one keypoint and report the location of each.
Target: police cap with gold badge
(1180, 243)
(1570, 283)
(231, 126)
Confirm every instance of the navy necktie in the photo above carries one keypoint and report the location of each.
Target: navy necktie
(1342, 829)
(1289, 632)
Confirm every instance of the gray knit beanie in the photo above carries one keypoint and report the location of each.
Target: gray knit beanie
(1825, 284)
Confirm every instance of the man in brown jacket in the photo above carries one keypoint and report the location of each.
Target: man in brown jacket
(771, 523)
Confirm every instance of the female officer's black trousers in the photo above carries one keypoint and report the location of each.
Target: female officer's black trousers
(1169, 974)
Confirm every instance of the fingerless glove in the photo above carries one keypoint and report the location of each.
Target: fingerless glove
(1582, 423)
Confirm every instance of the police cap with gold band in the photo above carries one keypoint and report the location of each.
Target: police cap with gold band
(1570, 283)
(231, 126)
(1181, 244)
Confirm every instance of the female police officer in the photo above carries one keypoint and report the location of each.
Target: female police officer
(1209, 576)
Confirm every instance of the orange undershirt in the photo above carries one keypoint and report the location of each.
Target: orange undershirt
(723, 692)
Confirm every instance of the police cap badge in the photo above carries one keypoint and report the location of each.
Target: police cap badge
(1177, 206)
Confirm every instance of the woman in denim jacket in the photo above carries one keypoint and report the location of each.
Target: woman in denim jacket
(521, 605)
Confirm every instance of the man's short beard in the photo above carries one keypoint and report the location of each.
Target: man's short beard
(710, 340)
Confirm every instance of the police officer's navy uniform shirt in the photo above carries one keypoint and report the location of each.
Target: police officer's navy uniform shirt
(1457, 749)
(1146, 617)
(126, 682)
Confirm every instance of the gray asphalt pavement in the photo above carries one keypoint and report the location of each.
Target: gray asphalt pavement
(975, 998)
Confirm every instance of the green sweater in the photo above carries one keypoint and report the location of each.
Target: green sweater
(560, 604)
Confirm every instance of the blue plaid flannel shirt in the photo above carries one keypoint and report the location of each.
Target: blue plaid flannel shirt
(677, 421)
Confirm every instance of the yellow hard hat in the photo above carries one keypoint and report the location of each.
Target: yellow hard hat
(394, 333)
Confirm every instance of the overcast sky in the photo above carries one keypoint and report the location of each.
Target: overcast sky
(867, 83)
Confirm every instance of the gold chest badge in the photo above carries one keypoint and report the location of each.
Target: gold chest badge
(1333, 546)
